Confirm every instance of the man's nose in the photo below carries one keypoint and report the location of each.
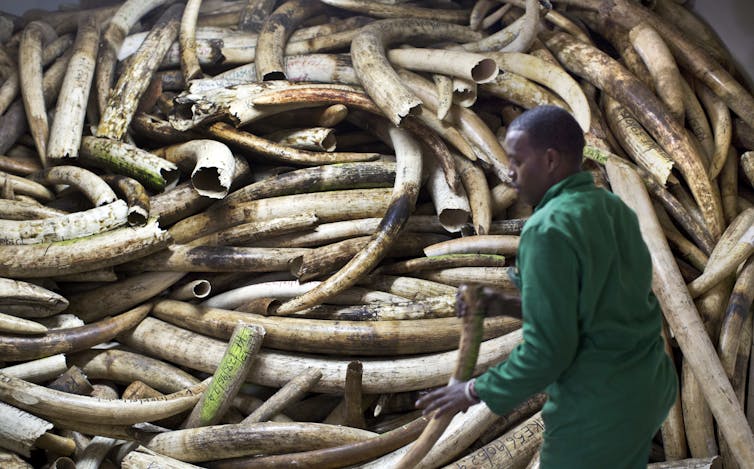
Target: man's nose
(512, 174)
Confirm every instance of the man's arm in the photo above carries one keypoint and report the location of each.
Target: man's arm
(549, 269)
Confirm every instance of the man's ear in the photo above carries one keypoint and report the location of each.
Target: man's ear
(553, 160)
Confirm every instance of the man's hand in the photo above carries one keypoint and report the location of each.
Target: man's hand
(451, 399)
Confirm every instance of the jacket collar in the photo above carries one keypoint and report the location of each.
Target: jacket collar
(578, 181)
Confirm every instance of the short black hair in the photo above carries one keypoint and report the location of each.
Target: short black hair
(551, 127)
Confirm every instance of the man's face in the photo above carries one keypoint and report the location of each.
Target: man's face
(528, 169)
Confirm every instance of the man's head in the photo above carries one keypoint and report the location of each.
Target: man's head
(545, 145)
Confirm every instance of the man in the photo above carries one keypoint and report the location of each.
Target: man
(591, 324)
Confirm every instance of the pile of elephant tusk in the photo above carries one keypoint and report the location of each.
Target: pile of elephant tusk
(232, 232)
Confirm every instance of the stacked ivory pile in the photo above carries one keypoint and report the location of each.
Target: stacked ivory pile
(232, 232)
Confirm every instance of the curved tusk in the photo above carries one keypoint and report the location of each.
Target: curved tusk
(213, 165)
(661, 65)
(276, 152)
(90, 184)
(73, 339)
(190, 68)
(383, 10)
(277, 368)
(683, 319)
(374, 71)
(152, 171)
(551, 76)
(462, 64)
(126, 367)
(65, 227)
(234, 440)
(28, 300)
(116, 297)
(478, 244)
(84, 254)
(120, 23)
(133, 82)
(30, 73)
(62, 405)
(403, 199)
(615, 80)
(389, 337)
(70, 111)
(134, 194)
(274, 34)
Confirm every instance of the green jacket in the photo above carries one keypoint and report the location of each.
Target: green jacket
(591, 332)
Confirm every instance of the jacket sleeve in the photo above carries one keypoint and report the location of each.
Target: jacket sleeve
(549, 269)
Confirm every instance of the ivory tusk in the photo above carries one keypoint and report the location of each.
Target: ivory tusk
(187, 40)
(213, 165)
(281, 153)
(479, 12)
(650, 112)
(637, 143)
(120, 296)
(520, 443)
(196, 289)
(403, 199)
(14, 325)
(722, 125)
(319, 336)
(468, 351)
(696, 119)
(274, 34)
(276, 368)
(38, 371)
(21, 429)
(728, 182)
(327, 206)
(143, 458)
(91, 185)
(28, 300)
(479, 244)
(227, 441)
(65, 227)
(374, 71)
(678, 309)
(134, 194)
(243, 345)
(444, 94)
(122, 102)
(83, 254)
(59, 405)
(185, 258)
(478, 192)
(291, 392)
(120, 23)
(498, 276)
(129, 160)
(12, 84)
(551, 76)
(452, 206)
(26, 186)
(247, 233)
(30, 73)
(462, 64)
(232, 299)
(529, 27)
(71, 340)
(126, 367)
(70, 111)
(95, 452)
(383, 10)
(313, 139)
(727, 255)
(442, 262)
(661, 65)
